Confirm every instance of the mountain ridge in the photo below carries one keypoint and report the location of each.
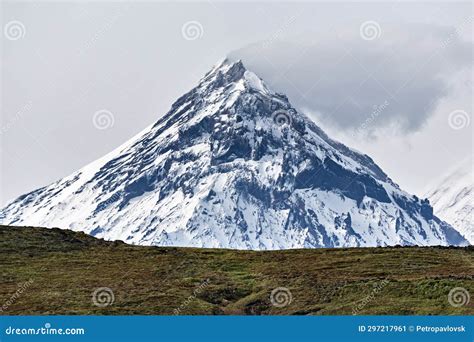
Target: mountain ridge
(452, 198)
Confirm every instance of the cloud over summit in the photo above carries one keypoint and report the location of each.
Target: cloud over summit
(347, 81)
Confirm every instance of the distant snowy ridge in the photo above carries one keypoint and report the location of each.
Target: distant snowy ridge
(234, 165)
(453, 199)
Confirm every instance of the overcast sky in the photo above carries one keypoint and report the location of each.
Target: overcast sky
(393, 80)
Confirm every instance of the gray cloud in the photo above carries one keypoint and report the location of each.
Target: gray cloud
(358, 85)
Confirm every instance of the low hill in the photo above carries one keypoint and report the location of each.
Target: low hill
(54, 271)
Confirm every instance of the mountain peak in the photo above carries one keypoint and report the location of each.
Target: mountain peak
(226, 64)
(234, 165)
(229, 71)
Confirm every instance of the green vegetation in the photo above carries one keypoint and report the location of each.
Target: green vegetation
(53, 271)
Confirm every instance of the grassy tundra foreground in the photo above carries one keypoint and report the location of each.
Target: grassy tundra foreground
(53, 271)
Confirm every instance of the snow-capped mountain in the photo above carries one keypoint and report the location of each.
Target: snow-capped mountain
(234, 165)
(453, 199)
